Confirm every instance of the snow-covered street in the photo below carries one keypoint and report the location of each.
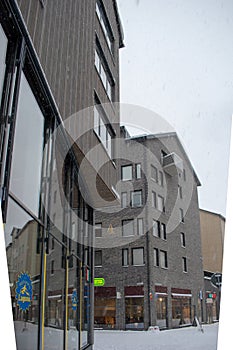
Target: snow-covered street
(181, 339)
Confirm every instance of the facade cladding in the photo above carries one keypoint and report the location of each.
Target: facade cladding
(149, 249)
(56, 59)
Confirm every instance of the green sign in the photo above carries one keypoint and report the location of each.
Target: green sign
(99, 282)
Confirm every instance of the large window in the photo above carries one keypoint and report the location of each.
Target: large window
(138, 256)
(134, 312)
(26, 171)
(105, 312)
(101, 129)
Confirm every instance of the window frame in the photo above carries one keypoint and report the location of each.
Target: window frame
(143, 256)
(101, 258)
(125, 250)
(127, 166)
(132, 195)
(123, 223)
(163, 259)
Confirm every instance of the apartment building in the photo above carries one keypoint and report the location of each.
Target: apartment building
(59, 65)
(148, 251)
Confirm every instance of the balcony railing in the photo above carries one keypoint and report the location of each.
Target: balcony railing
(172, 164)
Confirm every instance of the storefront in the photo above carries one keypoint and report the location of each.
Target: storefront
(134, 307)
(181, 307)
(161, 303)
(105, 308)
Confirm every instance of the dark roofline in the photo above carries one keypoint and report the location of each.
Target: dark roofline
(211, 212)
(119, 25)
(163, 135)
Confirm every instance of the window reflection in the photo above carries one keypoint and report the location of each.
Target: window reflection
(3, 47)
(28, 148)
(22, 233)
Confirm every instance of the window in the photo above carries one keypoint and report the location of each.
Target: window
(182, 238)
(124, 199)
(52, 243)
(163, 259)
(98, 258)
(140, 226)
(180, 191)
(160, 178)
(52, 267)
(156, 257)
(98, 230)
(104, 75)
(184, 263)
(181, 215)
(136, 198)
(138, 256)
(138, 171)
(3, 42)
(156, 228)
(126, 172)
(154, 173)
(101, 129)
(104, 24)
(163, 231)
(127, 228)
(153, 199)
(161, 204)
(125, 257)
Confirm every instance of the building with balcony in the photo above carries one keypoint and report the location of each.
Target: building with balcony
(149, 249)
(59, 79)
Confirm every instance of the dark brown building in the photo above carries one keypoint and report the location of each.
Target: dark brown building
(59, 65)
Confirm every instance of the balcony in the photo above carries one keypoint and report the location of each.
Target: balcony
(172, 164)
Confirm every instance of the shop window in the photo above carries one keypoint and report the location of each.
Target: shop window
(25, 182)
(105, 312)
(161, 311)
(134, 312)
(126, 172)
(127, 228)
(136, 199)
(138, 256)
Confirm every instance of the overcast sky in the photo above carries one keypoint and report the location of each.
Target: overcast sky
(178, 62)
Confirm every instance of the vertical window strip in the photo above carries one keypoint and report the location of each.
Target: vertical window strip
(103, 76)
(102, 131)
(103, 21)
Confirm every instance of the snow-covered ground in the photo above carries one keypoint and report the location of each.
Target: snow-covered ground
(189, 338)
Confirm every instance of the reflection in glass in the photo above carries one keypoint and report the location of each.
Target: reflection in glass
(55, 299)
(181, 311)
(25, 180)
(21, 237)
(3, 47)
(161, 311)
(134, 312)
(105, 312)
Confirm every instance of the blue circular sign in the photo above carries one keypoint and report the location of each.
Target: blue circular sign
(74, 299)
(24, 291)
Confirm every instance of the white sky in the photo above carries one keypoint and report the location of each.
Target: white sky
(178, 62)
